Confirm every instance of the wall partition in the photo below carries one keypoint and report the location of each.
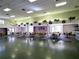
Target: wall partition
(56, 28)
(31, 30)
(20, 28)
(40, 29)
(11, 30)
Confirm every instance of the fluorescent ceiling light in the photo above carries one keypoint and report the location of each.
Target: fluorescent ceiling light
(12, 16)
(61, 4)
(29, 12)
(32, 0)
(7, 9)
(36, 8)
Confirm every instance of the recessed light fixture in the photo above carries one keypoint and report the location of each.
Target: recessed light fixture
(12, 16)
(61, 4)
(7, 9)
(29, 12)
(32, 0)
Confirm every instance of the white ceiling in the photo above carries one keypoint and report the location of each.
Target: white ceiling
(46, 5)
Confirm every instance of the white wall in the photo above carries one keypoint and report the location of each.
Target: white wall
(68, 28)
(5, 25)
(56, 28)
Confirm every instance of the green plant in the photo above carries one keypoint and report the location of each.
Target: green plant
(50, 22)
(31, 24)
(63, 21)
(44, 21)
(27, 23)
(21, 23)
(39, 23)
(56, 20)
(71, 18)
(35, 22)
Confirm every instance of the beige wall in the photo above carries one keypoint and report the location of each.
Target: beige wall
(61, 16)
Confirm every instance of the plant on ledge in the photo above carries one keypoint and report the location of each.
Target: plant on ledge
(50, 22)
(56, 20)
(39, 23)
(71, 18)
(35, 22)
(31, 24)
(44, 21)
(63, 21)
(21, 23)
(24, 24)
(27, 23)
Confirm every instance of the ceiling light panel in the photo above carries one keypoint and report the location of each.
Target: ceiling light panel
(32, 0)
(36, 8)
(40, 5)
(61, 4)
(12, 16)
(29, 12)
(7, 9)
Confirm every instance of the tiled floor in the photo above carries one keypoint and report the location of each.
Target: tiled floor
(15, 48)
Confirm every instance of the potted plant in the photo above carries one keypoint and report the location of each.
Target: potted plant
(24, 24)
(71, 18)
(27, 23)
(63, 21)
(39, 23)
(56, 20)
(31, 24)
(35, 22)
(21, 23)
(50, 22)
(44, 21)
